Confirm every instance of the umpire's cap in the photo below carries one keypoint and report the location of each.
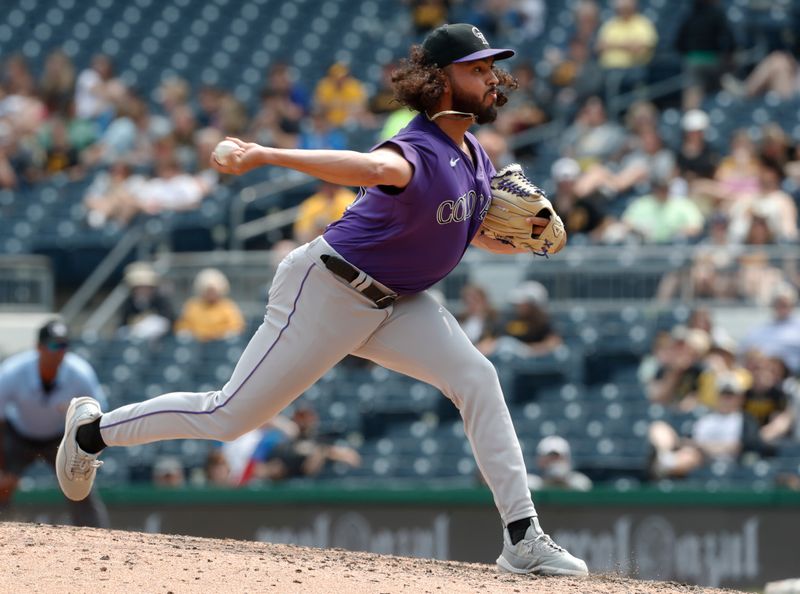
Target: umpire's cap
(460, 42)
(54, 331)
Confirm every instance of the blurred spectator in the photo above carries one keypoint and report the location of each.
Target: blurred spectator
(111, 196)
(755, 276)
(428, 14)
(627, 39)
(496, 146)
(284, 104)
(217, 470)
(184, 128)
(130, 136)
(720, 435)
(209, 101)
(554, 462)
(317, 132)
(525, 18)
(700, 318)
(765, 398)
(673, 375)
(320, 209)
(173, 93)
(696, 159)
(713, 274)
(60, 155)
(57, 84)
(780, 337)
(661, 217)
(341, 97)
(625, 44)
(173, 189)
(17, 78)
(210, 314)
(586, 23)
(778, 74)
(736, 176)
(592, 137)
(281, 82)
(759, 231)
(770, 206)
(17, 166)
(530, 17)
(258, 449)
(146, 312)
(581, 215)
(306, 455)
(168, 472)
(706, 44)
(738, 173)
(62, 131)
(786, 424)
(20, 108)
(530, 321)
(231, 116)
(97, 92)
(575, 75)
(238, 459)
(528, 106)
(776, 145)
(382, 101)
(478, 315)
(720, 362)
(648, 160)
(277, 122)
(641, 115)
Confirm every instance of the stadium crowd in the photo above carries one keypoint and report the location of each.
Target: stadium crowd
(652, 171)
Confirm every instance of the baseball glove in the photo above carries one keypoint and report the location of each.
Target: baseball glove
(515, 198)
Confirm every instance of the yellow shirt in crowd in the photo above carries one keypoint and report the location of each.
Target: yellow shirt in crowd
(340, 101)
(318, 210)
(210, 321)
(638, 30)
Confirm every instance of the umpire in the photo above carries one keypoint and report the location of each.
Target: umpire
(36, 387)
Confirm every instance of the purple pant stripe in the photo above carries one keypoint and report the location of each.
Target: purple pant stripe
(249, 375)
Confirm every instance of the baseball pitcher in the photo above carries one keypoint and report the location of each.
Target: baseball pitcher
(360, 288)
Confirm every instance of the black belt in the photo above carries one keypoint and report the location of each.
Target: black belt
(350, 273)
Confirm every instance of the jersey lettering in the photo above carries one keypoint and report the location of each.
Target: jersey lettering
(458, 210)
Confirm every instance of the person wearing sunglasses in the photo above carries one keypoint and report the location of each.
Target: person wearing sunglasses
(36, 387)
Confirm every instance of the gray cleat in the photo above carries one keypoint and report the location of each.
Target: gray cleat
(75, 468)
(537, 553)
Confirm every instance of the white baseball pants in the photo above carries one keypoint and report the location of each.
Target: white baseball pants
(314, 319)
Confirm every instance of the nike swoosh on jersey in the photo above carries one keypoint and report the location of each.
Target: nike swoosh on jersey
(454, 161)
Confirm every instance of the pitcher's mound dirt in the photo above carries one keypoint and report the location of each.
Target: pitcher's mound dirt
(63, 559)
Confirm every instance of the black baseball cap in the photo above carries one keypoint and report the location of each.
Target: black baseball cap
(54, 331)
(460, 42)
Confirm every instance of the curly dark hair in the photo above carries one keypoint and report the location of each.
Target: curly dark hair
(419, 83)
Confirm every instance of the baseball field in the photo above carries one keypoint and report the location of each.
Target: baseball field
(43, 558)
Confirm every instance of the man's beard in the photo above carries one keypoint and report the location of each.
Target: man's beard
(483, 114)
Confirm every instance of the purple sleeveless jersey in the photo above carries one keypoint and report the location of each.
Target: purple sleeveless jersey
(410, 240)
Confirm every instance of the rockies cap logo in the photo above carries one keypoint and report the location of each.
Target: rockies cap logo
(477, 33)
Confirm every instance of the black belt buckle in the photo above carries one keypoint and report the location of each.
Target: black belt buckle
(349, 273)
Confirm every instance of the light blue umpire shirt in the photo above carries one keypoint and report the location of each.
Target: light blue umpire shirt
(31, 411)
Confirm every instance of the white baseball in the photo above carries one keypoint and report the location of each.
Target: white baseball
(223, 150)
